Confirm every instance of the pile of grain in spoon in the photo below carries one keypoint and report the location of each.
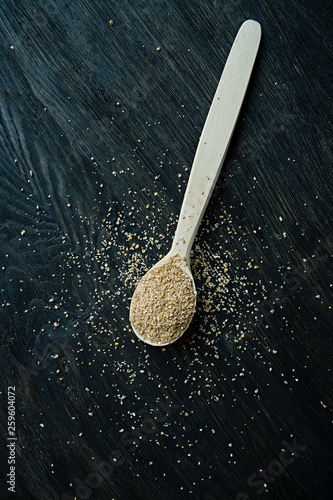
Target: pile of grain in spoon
(163, 303)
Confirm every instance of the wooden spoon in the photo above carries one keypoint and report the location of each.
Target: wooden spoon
(164, 300)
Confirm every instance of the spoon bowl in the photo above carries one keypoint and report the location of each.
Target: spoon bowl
(164, 301)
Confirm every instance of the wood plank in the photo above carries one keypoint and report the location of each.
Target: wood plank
(98, 133)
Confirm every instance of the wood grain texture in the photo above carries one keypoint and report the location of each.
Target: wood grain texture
(93, 118)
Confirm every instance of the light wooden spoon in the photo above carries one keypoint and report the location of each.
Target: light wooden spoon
(163, 303)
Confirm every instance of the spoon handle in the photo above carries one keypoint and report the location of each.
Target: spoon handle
(216, 135)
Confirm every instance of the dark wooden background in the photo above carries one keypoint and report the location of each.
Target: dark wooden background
(91, 114)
